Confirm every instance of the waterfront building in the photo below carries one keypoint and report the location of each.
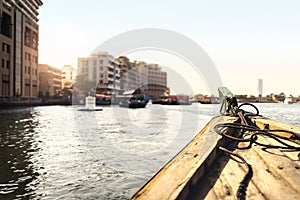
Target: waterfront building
(154, 78)
(143, 75)
(108, 75)
(19, 33)
(130, 77)
(68, 76)
(101, 71)
(50, 79)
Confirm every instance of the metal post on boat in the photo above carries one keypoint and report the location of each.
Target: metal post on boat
(224, 94)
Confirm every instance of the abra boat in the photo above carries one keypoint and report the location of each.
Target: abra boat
(133, 99)
(133, 103)
(237, 155)
(103, 99)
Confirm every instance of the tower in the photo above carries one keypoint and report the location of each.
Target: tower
(260, 87)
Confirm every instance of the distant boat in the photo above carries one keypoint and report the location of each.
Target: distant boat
(103, 99)
(133, 99)
(90, 104)
(173, 100)
(132, 103)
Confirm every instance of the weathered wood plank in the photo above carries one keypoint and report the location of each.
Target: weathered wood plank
(201, 171)
(267, 123)
(178, 176)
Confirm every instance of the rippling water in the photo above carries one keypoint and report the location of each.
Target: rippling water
(59, 152)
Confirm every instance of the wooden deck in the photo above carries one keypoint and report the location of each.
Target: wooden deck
(201, 171)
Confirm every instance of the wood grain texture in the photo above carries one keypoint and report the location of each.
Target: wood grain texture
(201, 171)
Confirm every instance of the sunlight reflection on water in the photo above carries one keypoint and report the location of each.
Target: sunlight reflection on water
(58, 152)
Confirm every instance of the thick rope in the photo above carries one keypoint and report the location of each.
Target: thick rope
(246, 131)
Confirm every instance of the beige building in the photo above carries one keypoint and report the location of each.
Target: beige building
(153, 79)
(112, 75)
(69, 74)
(50, 79)
(19, 48)
(130, 78)
(102, 69)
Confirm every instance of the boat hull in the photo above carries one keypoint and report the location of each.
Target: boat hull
(202, 171)
(133, 105)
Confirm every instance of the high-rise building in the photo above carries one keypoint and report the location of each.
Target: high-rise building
(19, 33)
(68, 76)
(101, 69)
(50, 79)
(260, 87)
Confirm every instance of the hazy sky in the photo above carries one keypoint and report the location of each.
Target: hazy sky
(246, 40)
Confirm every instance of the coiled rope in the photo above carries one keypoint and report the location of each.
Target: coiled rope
(247, 132)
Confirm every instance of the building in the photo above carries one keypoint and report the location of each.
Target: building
(130, 78)
(69, 74)
(50, 79)
(115, 76)
(101, 71)
(143, 73)
(155, 78)
(19, 33)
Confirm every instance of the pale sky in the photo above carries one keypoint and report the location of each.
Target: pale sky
(246, 40)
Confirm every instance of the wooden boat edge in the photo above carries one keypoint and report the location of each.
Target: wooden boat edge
(184, 187)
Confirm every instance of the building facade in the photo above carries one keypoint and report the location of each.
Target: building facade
(19, 48)
(101, 69)
(130, 78)
(115, 76)
(50, 79)
(69, 74)
(153, 79)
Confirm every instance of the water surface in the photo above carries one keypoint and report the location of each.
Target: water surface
(58, 152)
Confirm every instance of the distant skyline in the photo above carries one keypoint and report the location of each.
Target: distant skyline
(247, 40)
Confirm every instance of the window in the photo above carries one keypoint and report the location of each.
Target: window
(34, 40)
(25, 69)
(8, 64)
(34, 59)
(7, 48)
(28, 37)
(6, 25)
(29, 70)
(5, 85)
(3, 63)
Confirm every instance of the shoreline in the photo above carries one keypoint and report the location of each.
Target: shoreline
(19, 101)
